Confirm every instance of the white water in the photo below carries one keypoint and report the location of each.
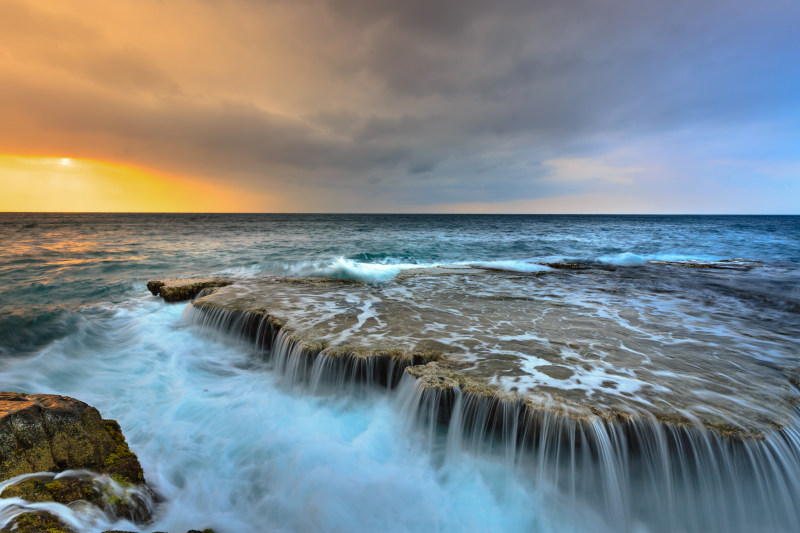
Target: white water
(388, 268)
(232, 442)
(80, 516)
(229, 447)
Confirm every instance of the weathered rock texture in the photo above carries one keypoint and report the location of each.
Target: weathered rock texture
(49, 433)
(38, 523)
(556, 347)
(177, 290)
(44, 432)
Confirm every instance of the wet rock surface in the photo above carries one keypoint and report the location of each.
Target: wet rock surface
(180, 289)
(554, 341)
(43, 433)
(41, 522)
(50, 433)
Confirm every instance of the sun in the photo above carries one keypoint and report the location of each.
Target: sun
(74, 184)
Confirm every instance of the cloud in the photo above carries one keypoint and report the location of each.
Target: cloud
(450, 102)
(586, 169)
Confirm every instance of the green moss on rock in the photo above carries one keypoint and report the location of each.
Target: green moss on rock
(38, 523)
(42, 432)
(122, 464)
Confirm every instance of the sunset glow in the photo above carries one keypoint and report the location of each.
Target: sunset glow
(410, 107)
(63, 184)
(342, 266)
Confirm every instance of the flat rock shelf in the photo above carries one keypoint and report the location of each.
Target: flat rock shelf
(512, 337)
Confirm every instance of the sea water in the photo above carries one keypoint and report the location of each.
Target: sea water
(227, 443)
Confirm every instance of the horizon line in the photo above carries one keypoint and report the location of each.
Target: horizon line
(372, 213)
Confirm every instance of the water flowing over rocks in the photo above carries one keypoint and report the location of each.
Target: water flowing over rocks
(490, 334)
(62, 464)
(42, 434)
(638, 403)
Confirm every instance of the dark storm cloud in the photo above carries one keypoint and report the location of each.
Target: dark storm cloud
(447, 100)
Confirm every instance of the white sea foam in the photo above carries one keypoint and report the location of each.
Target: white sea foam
(344, 268)
(623, 259)
(633, 259)
(230, 449)
(511, 266)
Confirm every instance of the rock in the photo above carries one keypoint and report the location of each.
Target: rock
(50, 433)
(38, 523)
(480, 330)
(61, 491)
(44, 432)
(180, 289)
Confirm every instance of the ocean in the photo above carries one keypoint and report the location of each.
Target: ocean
(229, 442)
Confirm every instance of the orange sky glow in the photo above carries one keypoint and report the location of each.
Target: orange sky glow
(63, 184)
(412, 107)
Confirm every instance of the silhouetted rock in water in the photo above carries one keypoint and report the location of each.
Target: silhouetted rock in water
(44, 434)
(180, 289)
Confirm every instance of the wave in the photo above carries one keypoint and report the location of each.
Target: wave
(249, 271)
(623, 259)
(633, 259)
(511, 266)
(346, 268)
(385, 269)
(377, 268)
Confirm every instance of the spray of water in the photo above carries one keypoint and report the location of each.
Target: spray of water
(229, 443)
(634, 473)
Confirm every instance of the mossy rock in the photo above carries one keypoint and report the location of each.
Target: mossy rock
(62, 491)
(40, 522)
(122, 464)
(49, 433)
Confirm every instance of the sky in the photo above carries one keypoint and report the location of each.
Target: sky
(508, 106)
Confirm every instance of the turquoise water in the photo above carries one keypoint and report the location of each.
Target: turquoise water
(229, 446)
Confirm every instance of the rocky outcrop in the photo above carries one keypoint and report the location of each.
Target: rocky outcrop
(180, 289)
(44, 433)
(61, 450)
(502, 336)
(49, 433)
(38, 523)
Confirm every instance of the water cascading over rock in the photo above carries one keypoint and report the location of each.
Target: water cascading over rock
(56, 450)
(480, 364)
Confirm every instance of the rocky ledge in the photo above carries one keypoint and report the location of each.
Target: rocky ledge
(178, 290)
(59, 449)
(508, 337)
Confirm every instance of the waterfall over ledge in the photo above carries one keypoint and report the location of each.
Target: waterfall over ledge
(656, 469)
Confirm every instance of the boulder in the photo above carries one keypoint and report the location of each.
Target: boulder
(50, 433)
(44, 433)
